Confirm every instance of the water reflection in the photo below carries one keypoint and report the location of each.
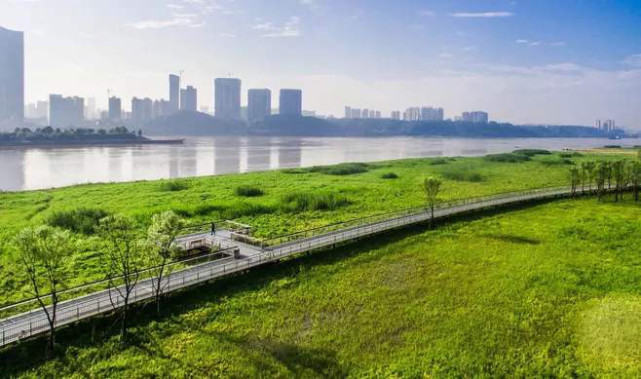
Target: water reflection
(25, 169)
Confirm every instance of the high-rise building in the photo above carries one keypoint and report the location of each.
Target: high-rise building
(377, 114)
(227, 98)
(396, 115)
(90, 109)
(115, 109)
(432, 114)
(291, 102)
(364, 113)
(11, 76)
(259, 104)
(66, 112)
(141, 111)
(348, 112)
(174, 93)
(356, 113)
(475, 117)
(189, 99)
(606, 126)
(412, 114)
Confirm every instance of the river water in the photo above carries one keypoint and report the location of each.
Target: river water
(39, 168)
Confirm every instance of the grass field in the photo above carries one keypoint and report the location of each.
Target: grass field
(550, 290)
(275, 203)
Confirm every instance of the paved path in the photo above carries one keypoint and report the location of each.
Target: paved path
(32, 323)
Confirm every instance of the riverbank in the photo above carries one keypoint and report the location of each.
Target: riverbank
(89, 143)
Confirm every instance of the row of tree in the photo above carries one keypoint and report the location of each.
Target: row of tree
(49, 133)
(44, 252)
(607, 176)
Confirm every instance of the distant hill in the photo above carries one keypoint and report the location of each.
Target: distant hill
(186, 123)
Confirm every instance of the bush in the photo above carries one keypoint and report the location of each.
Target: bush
(249, 191)
(507, 158)
(555, 161)
(389, 175)
(438, 161)
(570, 155)
(82, 220)
(462, 174)
(612, 146)
(532, 152)
(174, 185)
(301, 202)
(341, 169)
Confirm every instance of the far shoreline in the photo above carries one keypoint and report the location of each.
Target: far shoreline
(70, 144)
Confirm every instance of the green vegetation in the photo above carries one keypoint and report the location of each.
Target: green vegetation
(507, 158)
(546, 291)
(461, 174)
(317, 198)
(342, 169)
(81, 220)
(389, 175)
(532, 152)
(249, 191)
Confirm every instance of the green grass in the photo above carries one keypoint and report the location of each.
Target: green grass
(249, 191)
(507, 158)
(546, 291)
(389, 175)
(342, 169)
(290, 202)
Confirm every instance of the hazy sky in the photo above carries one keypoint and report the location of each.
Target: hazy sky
(525, 61)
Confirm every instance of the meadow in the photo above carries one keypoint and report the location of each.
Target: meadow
(274, 203)
(546, 290)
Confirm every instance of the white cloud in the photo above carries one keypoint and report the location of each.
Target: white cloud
(161, 24)
(289, 29)
(482, 14)
(522, 41)
(426, 13)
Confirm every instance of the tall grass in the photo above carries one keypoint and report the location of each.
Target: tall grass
(507, 158)
(249, 191)
(81, 220)
(462, 174)
(174, 185)
(341, 169)
(302, 202)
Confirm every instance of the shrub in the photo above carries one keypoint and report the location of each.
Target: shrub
(532, 152)
(174, 185)
(389, 175)
(249, 191)
(438, 161)
(612, 146)
(242, 209)
(301, 202)
(507, 158)
(570, 155)
(341, 169)
(462, 174)
(81, 220)
(206, 209)
(555, 161)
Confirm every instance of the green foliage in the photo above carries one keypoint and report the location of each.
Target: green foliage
(507, 158)
(81, 220)
(342, 169)
(532, 152)
(438, 161)
(389, 175)
(249, 191)
(462, 174)
(570, 155)
(302, 202)
(554, 161)
(174, 185)
(612, 146)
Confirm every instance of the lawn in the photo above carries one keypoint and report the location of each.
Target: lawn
(549, 290)
(274, 202)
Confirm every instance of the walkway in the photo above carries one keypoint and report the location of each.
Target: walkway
(32, 323)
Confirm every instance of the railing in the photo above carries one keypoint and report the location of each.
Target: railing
(32, 323)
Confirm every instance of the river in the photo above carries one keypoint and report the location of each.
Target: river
(38, 168)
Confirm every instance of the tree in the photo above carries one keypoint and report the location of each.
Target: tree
(431, 186)
(42, 253)
(575, 179)
(635, 177)
(161, 235)
(588, 168)
(122, 260)
(601, 176)
(620, 177)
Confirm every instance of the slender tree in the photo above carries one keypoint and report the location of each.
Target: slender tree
(590, 173)
(431, 187)
(42, 253)
(122, 261)
(161, 235)
(601, 175)
(634, 169)
(575, 179)
(609, 171)
(620, 176)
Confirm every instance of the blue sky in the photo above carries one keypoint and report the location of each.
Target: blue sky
(527, 61)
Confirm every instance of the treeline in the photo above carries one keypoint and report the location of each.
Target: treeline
(56, 134)
(607, 178)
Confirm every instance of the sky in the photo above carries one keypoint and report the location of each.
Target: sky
(523, 61)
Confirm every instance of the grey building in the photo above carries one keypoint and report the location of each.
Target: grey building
(189, 99)
(174, 93)
(476, 117)
(66, 112)
(141, 111)
(291, 102)
(115, 109)
(227, 98)
(11, 76)
(259, 104)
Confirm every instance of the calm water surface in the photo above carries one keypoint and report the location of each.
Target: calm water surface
(38, 168)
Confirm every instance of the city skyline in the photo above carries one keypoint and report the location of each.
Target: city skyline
(522, 62)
